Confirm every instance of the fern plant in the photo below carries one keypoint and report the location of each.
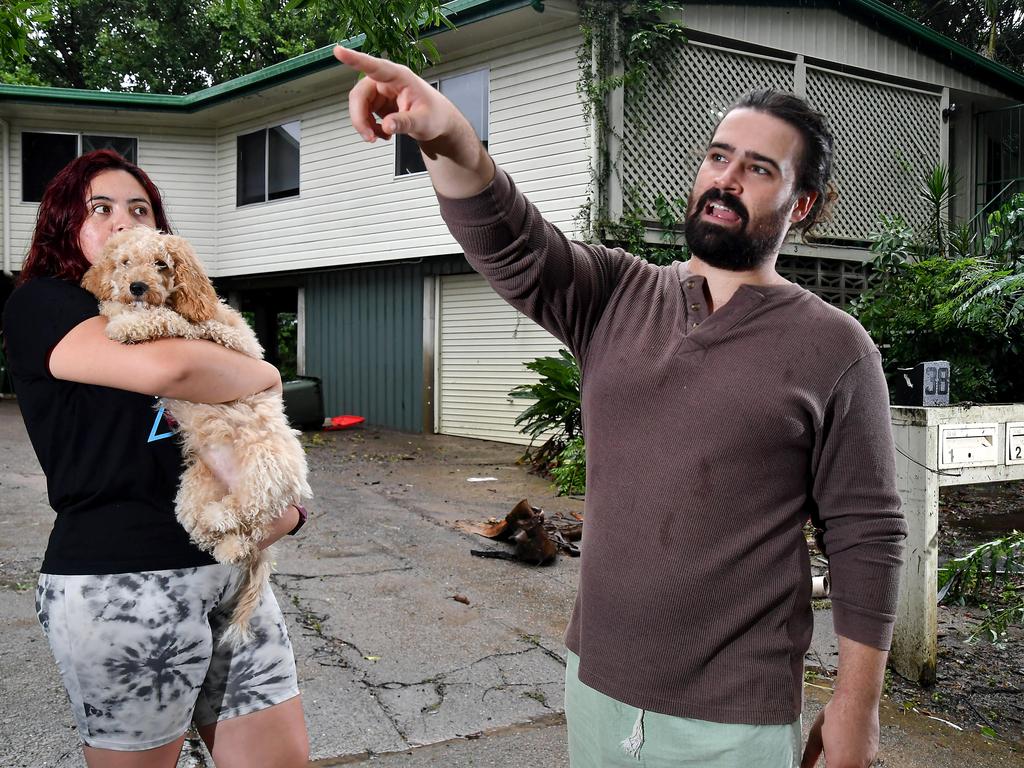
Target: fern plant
(557, 396)
(569, 469)
(556, 412)
(992, 289)
(989, 571)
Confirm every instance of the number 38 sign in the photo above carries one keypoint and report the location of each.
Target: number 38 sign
(924, 384)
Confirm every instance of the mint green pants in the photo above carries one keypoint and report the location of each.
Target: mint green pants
(605, 733)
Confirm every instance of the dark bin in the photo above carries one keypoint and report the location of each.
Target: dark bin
(304, 403)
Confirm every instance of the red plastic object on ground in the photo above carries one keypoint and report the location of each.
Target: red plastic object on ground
(343, 422)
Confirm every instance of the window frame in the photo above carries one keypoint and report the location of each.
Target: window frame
(79, 141)
(265, 130)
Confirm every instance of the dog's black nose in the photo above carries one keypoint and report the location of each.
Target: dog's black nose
(138, 288)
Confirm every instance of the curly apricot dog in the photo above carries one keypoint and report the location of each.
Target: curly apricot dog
(150, 286)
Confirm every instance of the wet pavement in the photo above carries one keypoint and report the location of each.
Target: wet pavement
(393, 669)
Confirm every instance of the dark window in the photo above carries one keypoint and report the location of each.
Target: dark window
(42, 157)
(283, 161)
(268, 164)
(252, 167)
(468, 92)
(126, 147)
(407, 156)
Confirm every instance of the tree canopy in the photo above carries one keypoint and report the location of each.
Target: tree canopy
(178, 46)
(175, 46)
(994, 28)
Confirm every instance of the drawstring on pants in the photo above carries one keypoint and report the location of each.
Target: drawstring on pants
(635, 742)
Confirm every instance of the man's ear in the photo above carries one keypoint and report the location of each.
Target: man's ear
(803, 207)
(194, 297)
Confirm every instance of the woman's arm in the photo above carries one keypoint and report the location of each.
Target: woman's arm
(282, 526)
(185, 369)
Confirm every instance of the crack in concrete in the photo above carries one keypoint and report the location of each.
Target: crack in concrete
(69, 753)
(541, 698)
(441, 684)
(388, 713)
(535, 693)
(554, 719)
(307, 577)
(534, 640)
(440, 689)
(334, 648)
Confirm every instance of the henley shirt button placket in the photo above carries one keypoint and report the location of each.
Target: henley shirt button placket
(693, 306)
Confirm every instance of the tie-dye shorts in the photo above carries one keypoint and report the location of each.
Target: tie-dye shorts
(141, 657)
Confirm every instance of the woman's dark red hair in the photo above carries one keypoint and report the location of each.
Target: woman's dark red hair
(55, 251)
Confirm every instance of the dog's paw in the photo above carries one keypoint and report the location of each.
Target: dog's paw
(111, 309)
(122, 327)
(240, 340)
(233, 549)
(165, 322)
(219, 517)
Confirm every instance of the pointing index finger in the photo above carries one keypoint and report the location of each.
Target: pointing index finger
(380, 70)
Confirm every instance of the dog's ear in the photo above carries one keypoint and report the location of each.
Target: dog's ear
(96, 279)
(194, 297)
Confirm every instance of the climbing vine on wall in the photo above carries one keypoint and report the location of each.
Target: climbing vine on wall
(624, 45)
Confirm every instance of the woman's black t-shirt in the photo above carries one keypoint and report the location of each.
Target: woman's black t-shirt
(111, 461)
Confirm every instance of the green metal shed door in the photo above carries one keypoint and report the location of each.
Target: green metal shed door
(482, 344)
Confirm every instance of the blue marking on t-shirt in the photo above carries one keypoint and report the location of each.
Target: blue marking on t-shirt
(153, 436)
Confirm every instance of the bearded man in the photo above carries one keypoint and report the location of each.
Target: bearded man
(723, 406)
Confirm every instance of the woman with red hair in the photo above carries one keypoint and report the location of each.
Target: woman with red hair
(133, 611)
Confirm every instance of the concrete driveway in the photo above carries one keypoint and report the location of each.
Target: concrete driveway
(392, 668)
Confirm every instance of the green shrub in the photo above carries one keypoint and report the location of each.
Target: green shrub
(951, 294)
(992, 290)
(957, 294)
(569, 469)
(556, 413)
(910, 315)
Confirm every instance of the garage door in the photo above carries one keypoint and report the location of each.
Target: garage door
(481, 347)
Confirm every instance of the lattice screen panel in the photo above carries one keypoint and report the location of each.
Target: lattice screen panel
(837, 282)
(668, 127)
(887, 140)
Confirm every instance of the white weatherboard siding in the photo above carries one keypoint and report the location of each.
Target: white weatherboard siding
(829, 35)
(353, 210)
(481, 347)
(179, 160)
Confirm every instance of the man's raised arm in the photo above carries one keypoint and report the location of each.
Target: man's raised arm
(392, 99)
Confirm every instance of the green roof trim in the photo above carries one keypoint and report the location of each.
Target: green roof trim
(459, 12)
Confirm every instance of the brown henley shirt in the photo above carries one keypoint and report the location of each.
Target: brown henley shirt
(711, 438)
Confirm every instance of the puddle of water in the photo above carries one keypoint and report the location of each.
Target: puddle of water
(984, 509)
(998, 523)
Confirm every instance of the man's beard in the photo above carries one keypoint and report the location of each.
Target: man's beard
(739, 249)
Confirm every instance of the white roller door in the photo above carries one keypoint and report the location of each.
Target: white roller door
(482, 344)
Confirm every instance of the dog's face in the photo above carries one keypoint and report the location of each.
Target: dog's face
(142, 266)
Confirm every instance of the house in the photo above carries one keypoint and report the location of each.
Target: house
(300, 221)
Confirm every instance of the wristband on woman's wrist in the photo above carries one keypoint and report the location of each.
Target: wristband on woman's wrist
(302, 519)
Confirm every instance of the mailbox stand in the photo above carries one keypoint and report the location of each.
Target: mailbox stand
(935, 447)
